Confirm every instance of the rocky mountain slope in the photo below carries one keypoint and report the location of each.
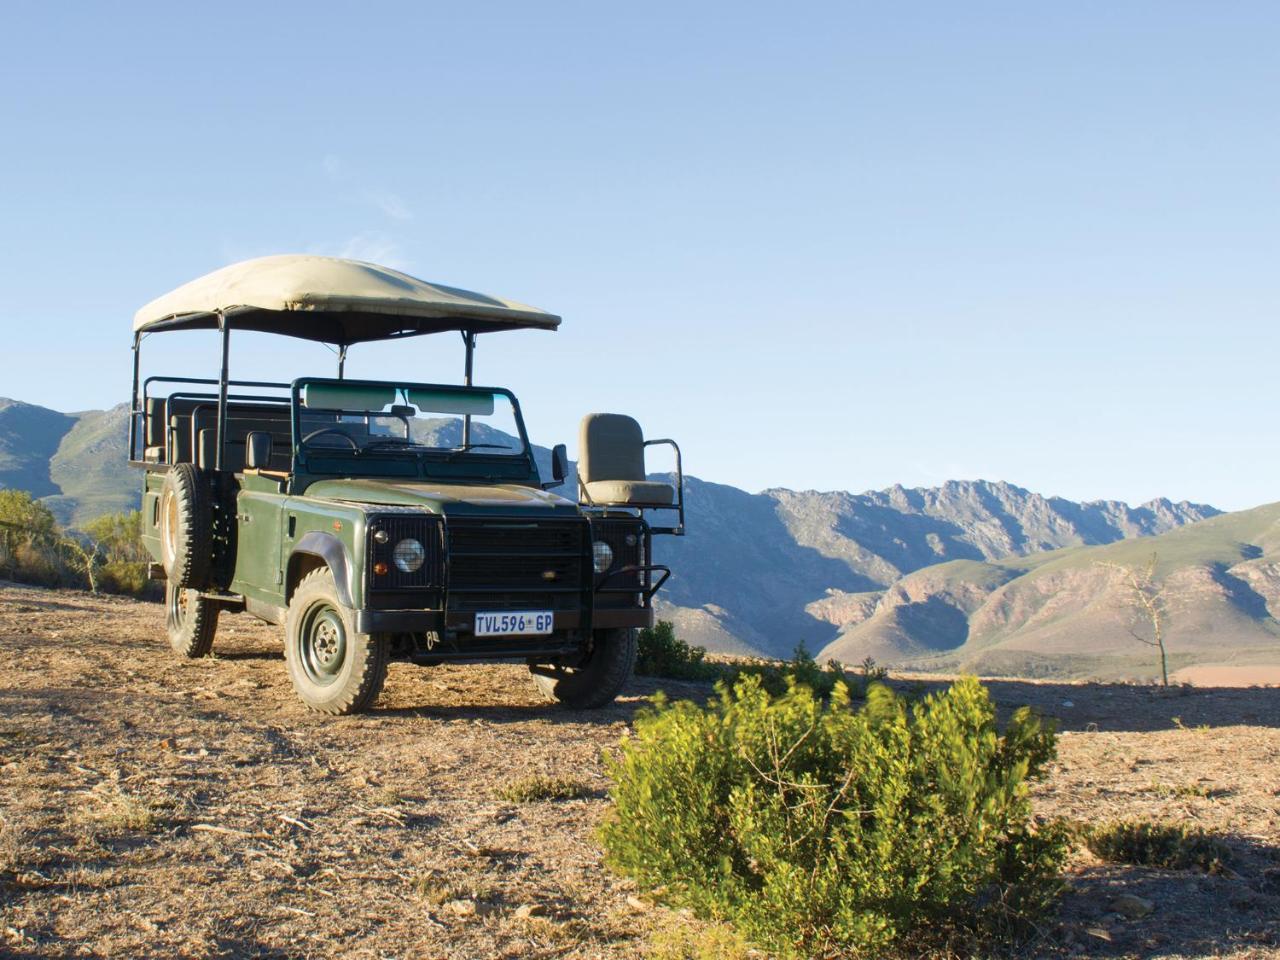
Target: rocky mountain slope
(757, 573)
(766, 571)
(1066, 613)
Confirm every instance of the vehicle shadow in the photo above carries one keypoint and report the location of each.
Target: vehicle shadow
(1073, 707)
(479, 703)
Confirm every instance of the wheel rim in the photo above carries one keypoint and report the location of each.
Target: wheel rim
(178, 608)
(169, 534)
(323, 644)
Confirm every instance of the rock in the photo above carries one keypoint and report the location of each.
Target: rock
(461, 908)
(527, 911)
(1133, 907)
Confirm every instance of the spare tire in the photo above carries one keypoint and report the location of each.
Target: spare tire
(186, 527)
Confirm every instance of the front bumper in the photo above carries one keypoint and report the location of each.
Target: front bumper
(463, 622)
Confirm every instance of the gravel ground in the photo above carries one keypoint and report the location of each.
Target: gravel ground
(151, 807)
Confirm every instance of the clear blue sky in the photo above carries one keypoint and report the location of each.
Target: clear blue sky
(829, 247)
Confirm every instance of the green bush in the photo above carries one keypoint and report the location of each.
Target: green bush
(776, 677)
(1167, 846)
(817, 829)
(662, 654)
(108, 555)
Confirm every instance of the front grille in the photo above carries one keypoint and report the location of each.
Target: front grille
(423, 528)
(514, 573)
(517, 564)
(511, 537)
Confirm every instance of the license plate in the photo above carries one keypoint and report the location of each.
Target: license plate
(514, 623)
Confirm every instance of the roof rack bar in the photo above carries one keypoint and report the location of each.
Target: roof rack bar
(469, 338)
(222, 390)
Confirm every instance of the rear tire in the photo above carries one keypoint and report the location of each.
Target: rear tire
(186, 527)
(190, 620)
(334, 669)
(597, 681)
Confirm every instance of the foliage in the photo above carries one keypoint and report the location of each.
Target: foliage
(1168, 846)
(777, 677)
(816, 828)
(539, 787)
(662, 654)
(34, 549)
(29, 538)
(684, 941)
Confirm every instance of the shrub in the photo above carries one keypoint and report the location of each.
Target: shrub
(123, 576)
(776, 677)
(108, 555)
(662, 654)
(540, 787)
(816, 828)
(1163, 845)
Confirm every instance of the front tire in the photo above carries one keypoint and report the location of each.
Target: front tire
(598, 680)
(334, 669)
(190, 620)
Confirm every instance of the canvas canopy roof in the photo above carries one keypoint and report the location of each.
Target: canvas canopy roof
(333, 301)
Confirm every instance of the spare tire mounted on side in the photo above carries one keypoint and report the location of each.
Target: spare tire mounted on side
(186, 537)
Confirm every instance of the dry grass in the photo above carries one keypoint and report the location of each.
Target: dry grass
(541, 787)
(115, 811)
(15, 851)
(153, 807)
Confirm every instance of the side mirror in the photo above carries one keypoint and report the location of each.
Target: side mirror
(257, 450)
(559, 466)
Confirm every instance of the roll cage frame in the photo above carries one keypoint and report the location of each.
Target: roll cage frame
(137, 402)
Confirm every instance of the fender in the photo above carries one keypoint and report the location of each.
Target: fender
(329, 549)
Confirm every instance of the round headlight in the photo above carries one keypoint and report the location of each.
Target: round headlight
(409, 555)
(601, 556)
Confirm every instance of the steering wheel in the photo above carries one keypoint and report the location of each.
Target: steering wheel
(332, 431)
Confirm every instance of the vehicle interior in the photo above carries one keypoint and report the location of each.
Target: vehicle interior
(336, 419)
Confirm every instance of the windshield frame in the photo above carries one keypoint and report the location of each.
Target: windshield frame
(423, 456)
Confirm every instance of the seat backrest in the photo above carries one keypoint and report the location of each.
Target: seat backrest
(243, 419)
(610, 447)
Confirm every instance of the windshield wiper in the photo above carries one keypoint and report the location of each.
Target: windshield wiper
(391, 441)
(458, 451)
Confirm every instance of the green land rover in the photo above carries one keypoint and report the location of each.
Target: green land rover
(388, 520)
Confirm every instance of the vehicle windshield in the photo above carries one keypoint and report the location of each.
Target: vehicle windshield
(389, 418)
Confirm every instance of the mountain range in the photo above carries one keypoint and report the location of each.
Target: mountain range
(971, 574)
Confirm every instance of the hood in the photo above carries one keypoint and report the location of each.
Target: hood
(451, 498)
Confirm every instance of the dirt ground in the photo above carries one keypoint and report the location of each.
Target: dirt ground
(151, 807)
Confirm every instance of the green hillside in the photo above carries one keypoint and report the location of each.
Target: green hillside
(29, 438)
(75, 462)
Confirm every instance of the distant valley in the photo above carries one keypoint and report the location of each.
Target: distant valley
(973, 575)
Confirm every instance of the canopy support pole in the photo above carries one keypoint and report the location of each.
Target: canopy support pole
(342, 359)
(134, 409)
(222, 390)
(469, 338)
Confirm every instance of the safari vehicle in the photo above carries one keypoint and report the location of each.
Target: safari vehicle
(388, 520)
